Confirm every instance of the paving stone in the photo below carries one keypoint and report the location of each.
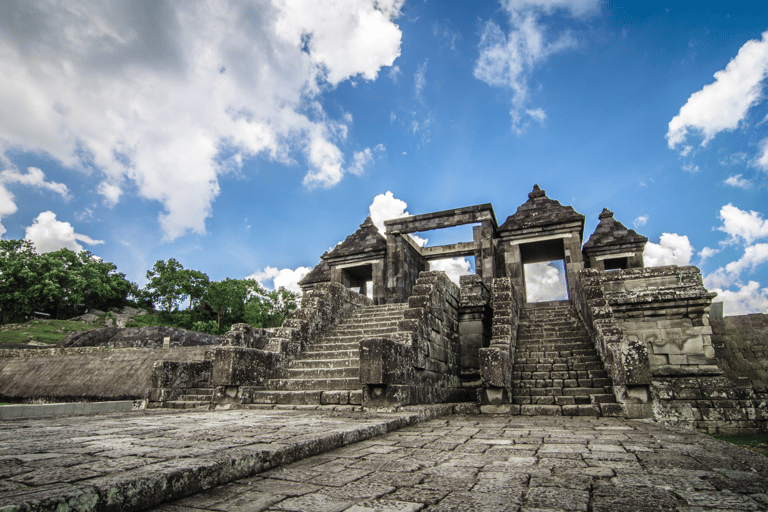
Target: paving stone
(557, 498)
(503, 501)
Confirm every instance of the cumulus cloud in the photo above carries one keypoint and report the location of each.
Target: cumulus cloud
(360, 160)
(754, 255)
(724, 103)
(640, 221)
(454, 268)
(287, 278)
(762, 157)
(385, 207)
(706, 253)
(167, 97)
(507, 60)
(543, 281)
(738, 182)
(746, 299)
(741, 226)
(33, 178)
(49, 234)
(672, 249)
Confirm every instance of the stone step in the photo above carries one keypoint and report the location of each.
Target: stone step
(185, 404)
(322, 373)
(335, 397)
(611, 410)
(330, 354)
(363, 331)
(324, 363)
(197, 398)
(330, 346)
(200, 391)
(313, 384)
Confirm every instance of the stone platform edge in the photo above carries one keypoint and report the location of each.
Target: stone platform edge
(26, 411)
(143, 488)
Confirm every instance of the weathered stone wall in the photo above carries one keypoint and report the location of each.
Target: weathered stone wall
(666, 309)
(404, 266)
(737, 400)
(496, 360)
(76, 374)
(475, 328)
(322, 308)
(139, 337)
(420, 362)
(626, 360)
(707, 374)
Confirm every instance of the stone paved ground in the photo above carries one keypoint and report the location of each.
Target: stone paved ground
(508, 463)
(132, 461)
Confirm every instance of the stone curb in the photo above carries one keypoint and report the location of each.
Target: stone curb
(25, 411)
(146, 487)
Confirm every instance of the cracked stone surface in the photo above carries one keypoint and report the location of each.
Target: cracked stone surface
(342, 460)
(509, 463)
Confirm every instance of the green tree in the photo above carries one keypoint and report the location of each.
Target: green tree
(270, 308)
(170, 284)
(229, 297)
(19, 271)
(62, 283)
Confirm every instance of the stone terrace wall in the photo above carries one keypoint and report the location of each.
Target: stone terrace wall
(420, 362)
(82, 374)
(707, 377)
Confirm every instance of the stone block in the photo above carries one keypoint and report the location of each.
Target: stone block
(240, 366)
(495, 367)
(383, 362)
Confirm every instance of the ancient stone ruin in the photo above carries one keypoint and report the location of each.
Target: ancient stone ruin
(378, 328)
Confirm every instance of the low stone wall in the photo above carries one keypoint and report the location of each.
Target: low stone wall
(707, 374)
(139, 337)
(420, 362)
(496, 360)
(83, 374)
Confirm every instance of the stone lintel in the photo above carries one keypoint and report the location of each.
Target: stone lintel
(443, 219)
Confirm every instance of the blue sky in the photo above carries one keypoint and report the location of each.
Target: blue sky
(246, 138)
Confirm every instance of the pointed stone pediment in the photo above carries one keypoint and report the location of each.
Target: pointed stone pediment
(611, 232)
(320, 274)
(540, 211)
(367, 239)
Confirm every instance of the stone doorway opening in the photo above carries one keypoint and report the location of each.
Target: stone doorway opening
(544, 271)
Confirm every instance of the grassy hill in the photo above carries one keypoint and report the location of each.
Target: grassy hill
(43, 332)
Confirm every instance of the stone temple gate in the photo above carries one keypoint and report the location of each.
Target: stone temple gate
(541, 230)
(629, 341)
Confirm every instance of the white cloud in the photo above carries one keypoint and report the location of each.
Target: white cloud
(453, 267)
(724, 103)
(394, 73)
(49, 234)
(693, 169)
(544, 282)
(738, 182)
(640, 221)
(385, 207)
(746, 299)
(360, 160)
(762, 157)
(754, 255)
(742, 226)
(33, 178)
(287, 278)
(169, 96)
(706, 253)
(508, 60)
(419, 80)
(672, 249)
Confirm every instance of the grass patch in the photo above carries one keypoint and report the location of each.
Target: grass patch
(43, 331)
(755, 442)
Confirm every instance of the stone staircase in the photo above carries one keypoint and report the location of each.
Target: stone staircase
(195, 397)
(557, 370)
(328, 372)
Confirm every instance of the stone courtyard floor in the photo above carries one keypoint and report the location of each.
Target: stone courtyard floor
(341, 460)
